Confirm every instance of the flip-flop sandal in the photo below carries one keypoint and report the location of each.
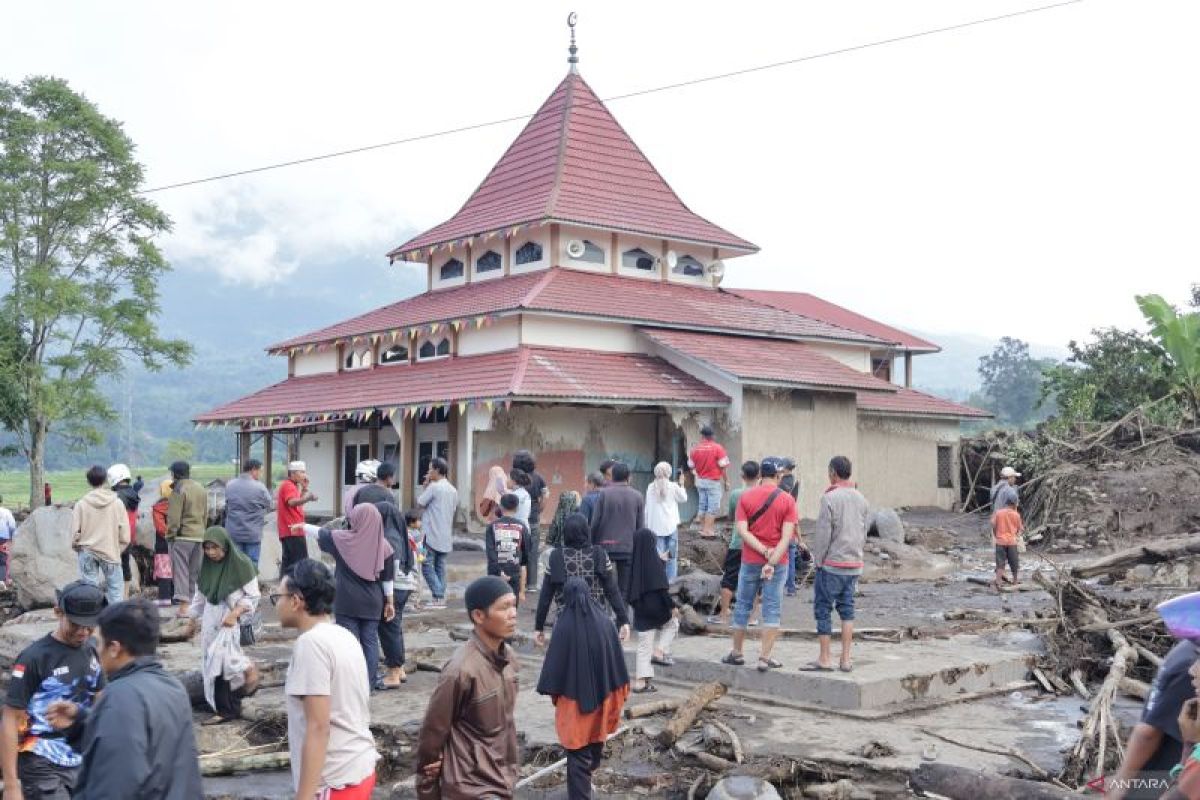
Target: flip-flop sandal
(216, 719)
(815, 666)
(714, 620)
(765, 664)
(846, 667)
(647, 689)
(734, 660)
(386, 687)
(665, 661)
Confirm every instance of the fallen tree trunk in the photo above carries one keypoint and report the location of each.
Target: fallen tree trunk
(228, 765)
(650, 709)
(687, 712)
(1150, 553)
(1139, 690)
(960, 783)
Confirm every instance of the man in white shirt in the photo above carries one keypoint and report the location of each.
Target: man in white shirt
(8, 526)
(332, 751)
(439, 501)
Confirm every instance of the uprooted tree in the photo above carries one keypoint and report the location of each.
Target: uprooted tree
(81, 269)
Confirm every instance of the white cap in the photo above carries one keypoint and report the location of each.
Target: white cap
(118, 473)
(297, 466)
(366, 470)
(1009, 472)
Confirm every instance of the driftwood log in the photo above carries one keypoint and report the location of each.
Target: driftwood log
(1150, 553)
(687, 712)
(228, 765)
(960, 783)
(650, 709)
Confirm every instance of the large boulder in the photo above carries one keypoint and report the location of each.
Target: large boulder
(886, 525)
(743, 787)
(700, 590)
(41, 559)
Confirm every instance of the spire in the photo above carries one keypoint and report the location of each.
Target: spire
(573, 59)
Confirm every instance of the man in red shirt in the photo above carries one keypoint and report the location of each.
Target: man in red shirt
(766, 520)
(289, 514)
(708, 462)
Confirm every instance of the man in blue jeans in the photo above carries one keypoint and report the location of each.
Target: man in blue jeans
(766, 520)
(439, 501)
(837, 551)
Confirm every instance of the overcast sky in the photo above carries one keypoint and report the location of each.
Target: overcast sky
(1025, 177)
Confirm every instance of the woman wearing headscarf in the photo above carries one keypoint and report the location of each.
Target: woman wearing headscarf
(568, 504)
(364, 572)
(654, 615)
(584, 673)
(579, 558)
(226, 590)
(663, 497)
(497, 487)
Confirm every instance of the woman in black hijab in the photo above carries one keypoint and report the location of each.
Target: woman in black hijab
(584, 673)
(654, 615)
(579, 558)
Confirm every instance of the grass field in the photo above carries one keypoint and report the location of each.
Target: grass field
(68, 486)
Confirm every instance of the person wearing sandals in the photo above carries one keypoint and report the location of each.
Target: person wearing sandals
(585, 675)
(654, 615)
(226, 590)
(579, 558)
(837, 550)
(391, 631)
(766, 521)
(364, 571)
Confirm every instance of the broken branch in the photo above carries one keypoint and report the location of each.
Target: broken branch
(687, 712)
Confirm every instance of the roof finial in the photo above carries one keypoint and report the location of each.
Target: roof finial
(573, 59)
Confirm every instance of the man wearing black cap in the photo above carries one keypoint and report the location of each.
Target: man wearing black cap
(468, 744)
(37, 760)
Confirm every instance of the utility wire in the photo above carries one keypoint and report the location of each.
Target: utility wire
(639, 93)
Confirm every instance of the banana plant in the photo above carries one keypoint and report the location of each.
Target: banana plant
(1179, 336)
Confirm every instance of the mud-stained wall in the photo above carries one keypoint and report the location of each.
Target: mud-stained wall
(568, 442)
(810, 427)
(897, 460)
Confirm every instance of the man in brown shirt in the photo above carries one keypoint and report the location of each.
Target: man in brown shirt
(468, 744)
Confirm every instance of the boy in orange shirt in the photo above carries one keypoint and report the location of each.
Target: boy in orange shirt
(1006, 530)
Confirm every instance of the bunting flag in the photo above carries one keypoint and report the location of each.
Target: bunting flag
(462, 407)
(457, 324)
(507, 404)
(478, 322)
(488, 404)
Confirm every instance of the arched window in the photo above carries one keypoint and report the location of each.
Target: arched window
(396, 354)
(349, 363)
(357, 359)
(451, 269)
(430, 349)
(488, 261)
(593, 254)
(686, 265)
(637, 258)
(529, 253)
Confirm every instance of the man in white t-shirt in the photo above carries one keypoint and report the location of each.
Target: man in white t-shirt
(332, 751)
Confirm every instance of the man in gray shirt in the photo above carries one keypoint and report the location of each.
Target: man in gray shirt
(247, 502)
(1006, 487)
(440, 502)
(837, 551)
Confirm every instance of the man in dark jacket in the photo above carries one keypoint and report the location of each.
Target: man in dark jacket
(618, 513)
(538, 494)
(138, 741)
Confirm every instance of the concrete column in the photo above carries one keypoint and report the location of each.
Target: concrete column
(268, 447)
(408, 432)
(908, 368)
(338, 456)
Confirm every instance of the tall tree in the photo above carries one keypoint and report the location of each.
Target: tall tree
(1109, 376)
(1012, 382)
(78, 256)
(1179, 337)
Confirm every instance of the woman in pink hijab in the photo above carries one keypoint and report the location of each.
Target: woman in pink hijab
(497, 487)
(364, 573)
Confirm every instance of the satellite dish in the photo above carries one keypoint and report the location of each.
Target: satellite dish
(715, 270)
(672, 259)
(575, 248)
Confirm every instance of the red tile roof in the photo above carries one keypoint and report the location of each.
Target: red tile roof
(770, 360)
(815, 308)
(574, 163)
(522, 373)
(911, 402)
(568, 291)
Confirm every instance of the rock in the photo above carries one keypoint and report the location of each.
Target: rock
(700, 590)
(886, 525)
(468, 544)
(743, 787)
(41, 558)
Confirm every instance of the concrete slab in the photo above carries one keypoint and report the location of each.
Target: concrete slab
(885, 677)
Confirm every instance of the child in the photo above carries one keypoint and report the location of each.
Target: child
(416, 543)
(163, 577)
(1007, 529)
(507, 544)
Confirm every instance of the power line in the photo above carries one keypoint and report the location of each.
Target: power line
(639, 93)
